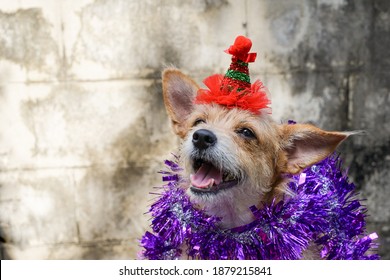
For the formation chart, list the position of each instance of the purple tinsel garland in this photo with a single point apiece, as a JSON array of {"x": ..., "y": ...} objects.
[{"x": 324, "y": 211}]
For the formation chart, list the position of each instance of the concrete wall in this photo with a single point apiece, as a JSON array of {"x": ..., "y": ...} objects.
[{"x": 83, "y": 129}]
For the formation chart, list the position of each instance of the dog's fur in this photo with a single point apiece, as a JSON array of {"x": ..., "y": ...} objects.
[{"x": 252, "y": 148}]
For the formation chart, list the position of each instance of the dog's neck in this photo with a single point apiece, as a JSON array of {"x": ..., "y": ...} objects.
[
  {"x": 233, "y": 216},
  {"x": 234, "y": 207}
]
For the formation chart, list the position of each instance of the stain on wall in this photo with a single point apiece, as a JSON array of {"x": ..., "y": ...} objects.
[{"x": 27, "y": 41}]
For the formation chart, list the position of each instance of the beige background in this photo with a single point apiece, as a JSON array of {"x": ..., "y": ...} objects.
[{"x": 83, "y": 130}]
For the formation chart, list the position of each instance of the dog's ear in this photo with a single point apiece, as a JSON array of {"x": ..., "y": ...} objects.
[
  {"x": 305, "y": 144},
  {"x": 179, "y": 92}
]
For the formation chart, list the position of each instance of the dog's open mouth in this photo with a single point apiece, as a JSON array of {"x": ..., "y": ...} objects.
[{"x": 209, "y": 179}]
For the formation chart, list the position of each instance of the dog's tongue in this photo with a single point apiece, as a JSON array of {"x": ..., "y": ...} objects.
[{"x": 206, "y": 176}]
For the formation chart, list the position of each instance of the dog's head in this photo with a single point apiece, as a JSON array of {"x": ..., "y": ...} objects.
[{"x": 234, "y": 158}]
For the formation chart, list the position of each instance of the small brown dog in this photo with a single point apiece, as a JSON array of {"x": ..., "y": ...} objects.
[
  {"x": 233, "y": 158},
  {"x": 236, "y": 197}
]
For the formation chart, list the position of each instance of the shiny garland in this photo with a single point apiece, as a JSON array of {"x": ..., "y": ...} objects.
[{"x": 324, "y": 210}]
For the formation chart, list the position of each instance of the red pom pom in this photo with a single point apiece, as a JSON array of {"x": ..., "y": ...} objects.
[
  {"x": 240, "y": 49},
  {"x": 241, "y": 45}
]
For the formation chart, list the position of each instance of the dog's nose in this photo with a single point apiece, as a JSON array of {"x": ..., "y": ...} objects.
[{"x": 203, "y": 139}]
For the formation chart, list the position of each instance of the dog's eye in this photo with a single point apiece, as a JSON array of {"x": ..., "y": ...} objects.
[
  {"x": 246, "y": 132},
  {"x": 198, "y": 121}
]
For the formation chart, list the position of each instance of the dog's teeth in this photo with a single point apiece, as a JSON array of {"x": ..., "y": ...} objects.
[{"x": 228, "y": 177}]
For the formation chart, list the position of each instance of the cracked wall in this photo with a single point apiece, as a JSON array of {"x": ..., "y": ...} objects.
[{"x": 83, "y": 129}]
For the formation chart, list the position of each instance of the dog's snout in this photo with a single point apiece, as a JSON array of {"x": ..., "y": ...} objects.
[{"x": 203, "y": 138}]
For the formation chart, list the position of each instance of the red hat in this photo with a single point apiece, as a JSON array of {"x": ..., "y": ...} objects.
[{"x": 235, "y": 89}]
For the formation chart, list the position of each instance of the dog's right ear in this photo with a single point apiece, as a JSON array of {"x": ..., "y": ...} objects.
[{"x": 179, "y": 92}]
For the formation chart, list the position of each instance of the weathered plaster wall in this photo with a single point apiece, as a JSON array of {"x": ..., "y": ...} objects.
[{"x": 83, "y": 129}]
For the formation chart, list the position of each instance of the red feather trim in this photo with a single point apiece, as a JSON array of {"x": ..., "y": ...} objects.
[{"x": 253, "y": 99}]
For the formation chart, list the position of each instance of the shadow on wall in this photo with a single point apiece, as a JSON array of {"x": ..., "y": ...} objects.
[{"x": 3, "y": 251}]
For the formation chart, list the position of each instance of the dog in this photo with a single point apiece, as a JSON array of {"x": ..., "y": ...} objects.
[
  {"x": 234, "y": 159},
  {"x": 232, "y": 194}
]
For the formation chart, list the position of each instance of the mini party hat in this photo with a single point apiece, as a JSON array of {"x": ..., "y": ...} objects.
[{"x": 234, "y": 89}]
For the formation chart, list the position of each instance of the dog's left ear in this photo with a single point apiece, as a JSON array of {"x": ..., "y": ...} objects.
[
  {"x": 179, "y": 92},
  {"x": 305, "y": 144}
]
